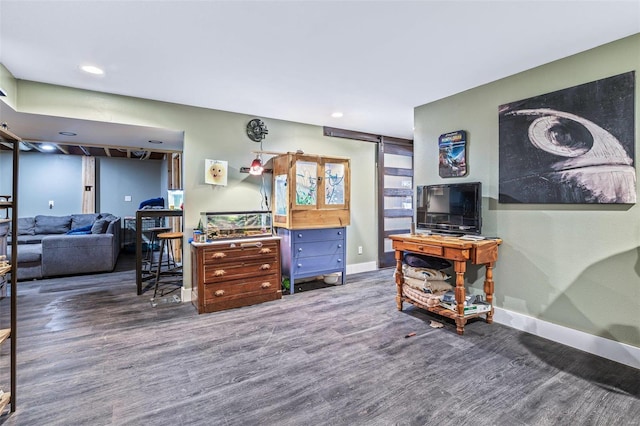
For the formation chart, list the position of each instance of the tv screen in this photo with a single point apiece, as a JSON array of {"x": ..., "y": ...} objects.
[{"x": 454, "y": 208}]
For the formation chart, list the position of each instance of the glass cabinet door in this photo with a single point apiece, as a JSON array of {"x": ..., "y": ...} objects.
[
  {"x": 306, "y": 183},
  {"x": 334, "y": 183}
]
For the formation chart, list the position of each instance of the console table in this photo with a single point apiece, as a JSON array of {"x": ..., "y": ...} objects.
[{"x": 457, "y": 250}]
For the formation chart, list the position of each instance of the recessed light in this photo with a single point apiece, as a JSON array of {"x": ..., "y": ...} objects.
[
  {"x": 67, "y": 133},
  {"x": 92, "y": 69},
  {"x": 155, "y": 141},
  {"x": 337, "y": 114}
]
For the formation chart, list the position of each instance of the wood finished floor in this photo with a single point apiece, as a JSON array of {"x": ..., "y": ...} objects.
[{"x": 92, "y": 352}]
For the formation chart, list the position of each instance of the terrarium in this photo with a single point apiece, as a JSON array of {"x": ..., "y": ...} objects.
[{"x": 229, "y": 225}]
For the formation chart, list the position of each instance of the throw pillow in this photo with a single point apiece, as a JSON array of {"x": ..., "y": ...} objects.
[
  {"x": 424, "y": 273},
  {"x": 99, "y": 226},
  {"x": 437, "y": 286},
  {"x": 80, "y": 230},
  {"x": 423, "y": 261}
]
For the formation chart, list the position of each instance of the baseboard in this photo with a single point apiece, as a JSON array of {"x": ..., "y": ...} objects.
[
  {"x": 185, "y": 294},
  {"x": 356, "y": 268},
  {"x": 606, "y": 348}
]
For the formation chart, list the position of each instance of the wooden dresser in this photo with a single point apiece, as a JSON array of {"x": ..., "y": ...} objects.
[{"x": 234, "y": 273}]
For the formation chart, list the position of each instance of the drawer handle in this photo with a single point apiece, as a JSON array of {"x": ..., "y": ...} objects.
[
  {"x": 265, "y": 285},
  {"x": 339, "y": 232},
  {"x": 339, "y": 260},
  {"x": 339, "y": 245},
  {"x": 219, "y": 255},
  {"x": 265, "y": 266},
  {"x": 300, "y": 249},
  {"x": 299, "y": 235},
  {"x": 265, "y": 250},
  {"x": 219, "y": 293},
  {"x": 299, "y": 265},
  {"x": 245, "y": 245},
  {"x": 219, "y": 272}
]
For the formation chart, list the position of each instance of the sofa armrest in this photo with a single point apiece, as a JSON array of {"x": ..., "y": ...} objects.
[{"x": 77, "y": 254}]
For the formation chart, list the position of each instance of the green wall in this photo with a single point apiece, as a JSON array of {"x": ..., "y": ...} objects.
[
  {"x": 219, "y": 135},
  {"x": 573, "y": 265}
]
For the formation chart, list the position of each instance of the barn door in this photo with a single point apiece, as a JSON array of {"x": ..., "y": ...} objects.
[{"x": 395, "y": 194}]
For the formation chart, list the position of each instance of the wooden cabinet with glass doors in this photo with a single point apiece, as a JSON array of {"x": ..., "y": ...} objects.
[{"x": 310, "y": 191}]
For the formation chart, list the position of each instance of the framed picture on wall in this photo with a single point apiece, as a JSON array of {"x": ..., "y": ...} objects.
[
  {"x": 575, "y": 145},
  {"x": 215, "y": 172},
  {"x": 452, "y": 149}
]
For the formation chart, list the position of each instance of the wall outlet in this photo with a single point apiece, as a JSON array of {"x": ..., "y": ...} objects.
[
  {"x": 50, "y": 204},
  {"x": 359, "y": 249},
  {"x": 127, "y": 197}
]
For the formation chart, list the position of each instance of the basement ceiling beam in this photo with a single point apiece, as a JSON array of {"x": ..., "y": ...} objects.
[{"x": 62, "y": 149}]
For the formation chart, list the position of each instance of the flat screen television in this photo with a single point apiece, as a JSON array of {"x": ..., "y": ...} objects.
[{"x": 454, "y": 208}]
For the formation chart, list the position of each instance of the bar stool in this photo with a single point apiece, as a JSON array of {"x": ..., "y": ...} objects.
[
  {"x": 166, "y": 243},
  {"x": 153, "y": 240}
]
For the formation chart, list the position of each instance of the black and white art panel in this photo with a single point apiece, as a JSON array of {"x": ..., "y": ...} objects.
[{"x": 575, "y": 145}]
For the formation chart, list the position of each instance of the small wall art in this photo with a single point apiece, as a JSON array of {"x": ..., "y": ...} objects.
[
  {"x": 215, "y": 172},
  {"x": 575, "y": 145},
  {"x": 453, "y": 154}
]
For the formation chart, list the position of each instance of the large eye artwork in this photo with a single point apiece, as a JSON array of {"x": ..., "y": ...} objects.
[{"x": 583, "y": 155}]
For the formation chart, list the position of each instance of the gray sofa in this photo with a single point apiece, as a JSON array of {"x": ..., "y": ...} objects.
[{"x": 51, "y": 246}]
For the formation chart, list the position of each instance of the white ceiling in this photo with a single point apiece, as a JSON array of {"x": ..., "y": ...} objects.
[{"x": 301, "y": 60}]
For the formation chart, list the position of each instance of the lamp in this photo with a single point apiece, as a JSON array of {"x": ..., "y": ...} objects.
[{"x": 256, "y": 166}]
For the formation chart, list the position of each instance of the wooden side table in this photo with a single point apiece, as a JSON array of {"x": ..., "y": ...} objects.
[{"x": 459, "y": 251}]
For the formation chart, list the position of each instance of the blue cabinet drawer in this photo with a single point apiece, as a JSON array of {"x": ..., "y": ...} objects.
[
  {"x": 319, "y": 248},
  {"x": 318, "y": 264},
  {"x": 304, "y": 235}
]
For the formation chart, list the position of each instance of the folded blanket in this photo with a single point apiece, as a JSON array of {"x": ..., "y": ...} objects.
[
  {"x": 424, "y": 273},
  {"x": 430, "y": 300}
]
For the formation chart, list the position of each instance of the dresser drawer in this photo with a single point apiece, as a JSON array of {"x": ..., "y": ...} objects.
[
  {"x": 238, "y": 293},
  {"x": 236, "y": 270},
  {"x": 318, "y": 248},
  {"x": 240, "y": 252},
  {"x": 241, "y": 288},
  {"x": 305, "y": 235},
  {"x": 307, "y": 265}
]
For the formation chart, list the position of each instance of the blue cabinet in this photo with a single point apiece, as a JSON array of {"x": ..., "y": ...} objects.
[{"x": 313, "y": 252}]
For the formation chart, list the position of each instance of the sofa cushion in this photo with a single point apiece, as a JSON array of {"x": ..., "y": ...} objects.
[
  {"x": 99, "y": 226},
  {"x": 52, "y": 224},
  {"x": 26, "y": 226},
  {"x": 30, "y": 239},
  {"x": 82, "y": 220},
  {"x": 30, "y": 253}
]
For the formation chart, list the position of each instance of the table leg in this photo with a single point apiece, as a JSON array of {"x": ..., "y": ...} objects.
[
  {"x": 399, "y": 279},
  {"x": 488, "y": 289},
  {"x": 138, "y": 253},
  {"x": 460, "y": 268}
]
